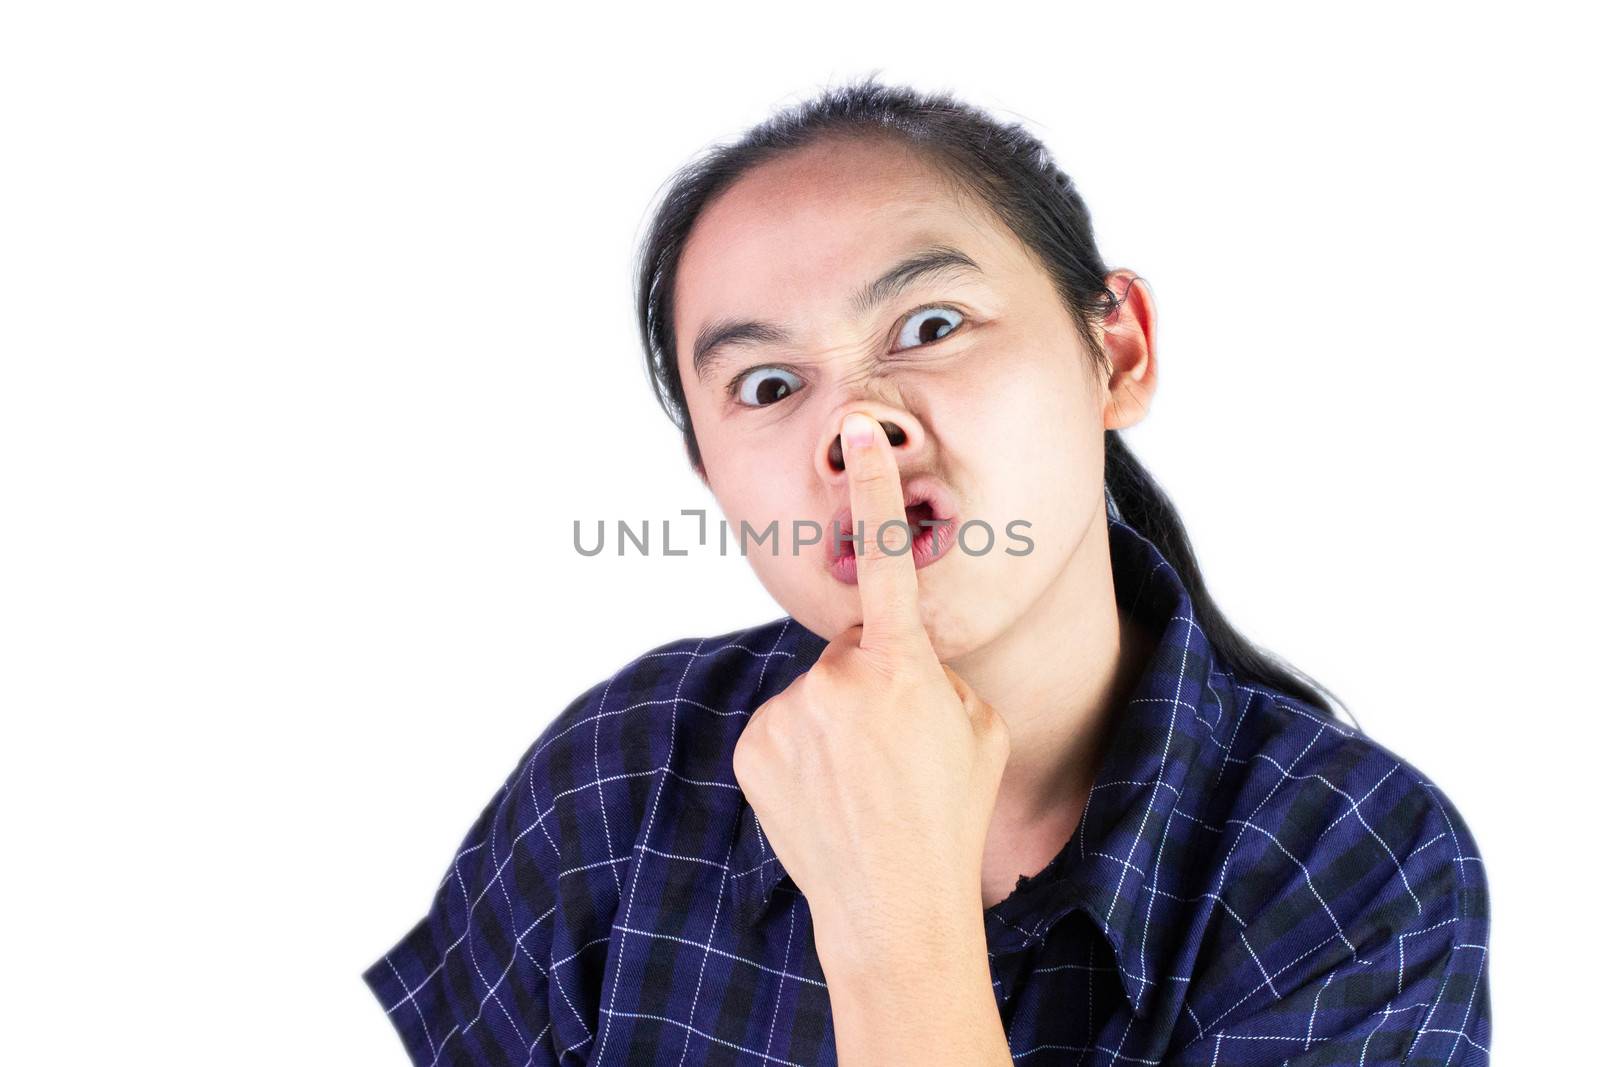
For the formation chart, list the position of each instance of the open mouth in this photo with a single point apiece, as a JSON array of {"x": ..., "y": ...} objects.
[{"x": 930, "y": 513}]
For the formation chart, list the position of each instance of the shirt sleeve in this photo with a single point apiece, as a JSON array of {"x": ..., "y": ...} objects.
[
  {"x": 1402, "y": 980},
  {"x": 471, "y": 982}
]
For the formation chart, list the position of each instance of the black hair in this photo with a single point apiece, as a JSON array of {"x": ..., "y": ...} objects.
[{"x": 1004, "y": 168}]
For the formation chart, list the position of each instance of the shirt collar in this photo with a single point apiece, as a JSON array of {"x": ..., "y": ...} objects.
[{"x": 1155, "y": 755}]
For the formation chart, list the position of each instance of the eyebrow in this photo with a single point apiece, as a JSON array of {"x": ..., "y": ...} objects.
[{"x": 919, "y": 266}]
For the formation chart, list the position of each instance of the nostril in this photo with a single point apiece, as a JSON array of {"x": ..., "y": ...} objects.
[{"x": 896, "y": 435}]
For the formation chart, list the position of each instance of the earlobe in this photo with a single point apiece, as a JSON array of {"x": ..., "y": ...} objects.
[{"x": 1129, "y": 340}]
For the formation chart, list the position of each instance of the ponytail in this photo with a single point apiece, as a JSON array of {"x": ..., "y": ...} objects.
[{"x": 1133, "y": 496}]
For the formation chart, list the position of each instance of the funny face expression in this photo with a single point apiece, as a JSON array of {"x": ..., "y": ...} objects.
[{"x": 850, "y": 276}]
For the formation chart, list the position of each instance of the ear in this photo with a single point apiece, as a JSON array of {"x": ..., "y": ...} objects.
[{"x": 1129, "y": 339}]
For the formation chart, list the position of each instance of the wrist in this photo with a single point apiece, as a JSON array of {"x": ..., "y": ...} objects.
[
  {"x": 917, "y": 991},
  {"x": 929, "y": 936}
]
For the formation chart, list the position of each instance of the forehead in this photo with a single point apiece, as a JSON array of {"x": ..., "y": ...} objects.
[{"x": 798, "y": 234}]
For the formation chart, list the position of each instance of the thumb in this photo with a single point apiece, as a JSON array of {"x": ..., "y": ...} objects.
[
  {"x": 959, "y": 684},
  {"x": 984, "y": 717},
  {"x": 976, "y": 706}
]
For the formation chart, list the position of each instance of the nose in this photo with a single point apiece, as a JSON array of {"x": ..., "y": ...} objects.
[{"x": 907, "y": 438}]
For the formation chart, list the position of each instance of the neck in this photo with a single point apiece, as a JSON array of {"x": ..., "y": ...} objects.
[{"x": 1059, "y": 677}]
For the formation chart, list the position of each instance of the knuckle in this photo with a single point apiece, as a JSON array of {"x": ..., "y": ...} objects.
[
  {"x": 956, "y": 681},
  {"x": 743, "y": 759},
  {"x": 835, "y": 656},
  {"x": 899, "y": 648},
  {"x": 823, "y": 674},
  {"x": 841, "y": 673},
  {"x": 995, "y": 728},
  {"x": 887, "y": 661}
]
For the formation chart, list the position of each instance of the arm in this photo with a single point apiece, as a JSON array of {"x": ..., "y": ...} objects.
[
  {"x": 476, "y": 980},
  {"x": 875, "y": 774},
  {"x": 1368, "y": 1011},
  {"x": 1407, "y": 983},
  {"x": 929, "y": 1002}
]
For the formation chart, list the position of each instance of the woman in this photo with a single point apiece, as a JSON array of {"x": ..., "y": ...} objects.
[{"x": 1015, "y": 796}]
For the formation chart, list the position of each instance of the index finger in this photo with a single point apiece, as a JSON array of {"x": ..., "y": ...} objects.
[{"x": 885, "y": 570}]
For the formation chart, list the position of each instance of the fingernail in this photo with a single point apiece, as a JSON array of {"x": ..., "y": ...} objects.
[{"x": 858, "y": 430}]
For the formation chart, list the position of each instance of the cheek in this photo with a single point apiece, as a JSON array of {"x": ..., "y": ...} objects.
[
  {"x": 757, "y": 484},
  {"x": 1035, "y": 443},
  {"x": 1032, "y": 410}
]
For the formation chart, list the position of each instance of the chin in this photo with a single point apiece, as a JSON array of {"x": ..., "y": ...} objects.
[{"x": 955, "y": 633}]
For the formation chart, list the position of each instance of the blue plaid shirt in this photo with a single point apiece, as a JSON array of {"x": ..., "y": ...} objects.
[{"x": 1251, "y": 882}]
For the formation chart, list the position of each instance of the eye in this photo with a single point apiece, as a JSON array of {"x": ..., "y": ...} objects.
[
  {"x": 929, "y": 324},
  {"x": 761, "y": 387}
]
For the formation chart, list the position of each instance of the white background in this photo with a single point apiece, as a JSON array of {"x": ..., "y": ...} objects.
[{"x": 318, "y": 335}]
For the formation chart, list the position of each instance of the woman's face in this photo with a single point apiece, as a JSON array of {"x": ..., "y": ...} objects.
[{"x": 980, "y": 368}]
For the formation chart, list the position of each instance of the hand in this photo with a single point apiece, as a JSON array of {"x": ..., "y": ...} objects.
[{"x": 875, "y": 773}]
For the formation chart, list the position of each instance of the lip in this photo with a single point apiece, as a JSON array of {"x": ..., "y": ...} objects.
[{"x": 931, "y": 544}]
